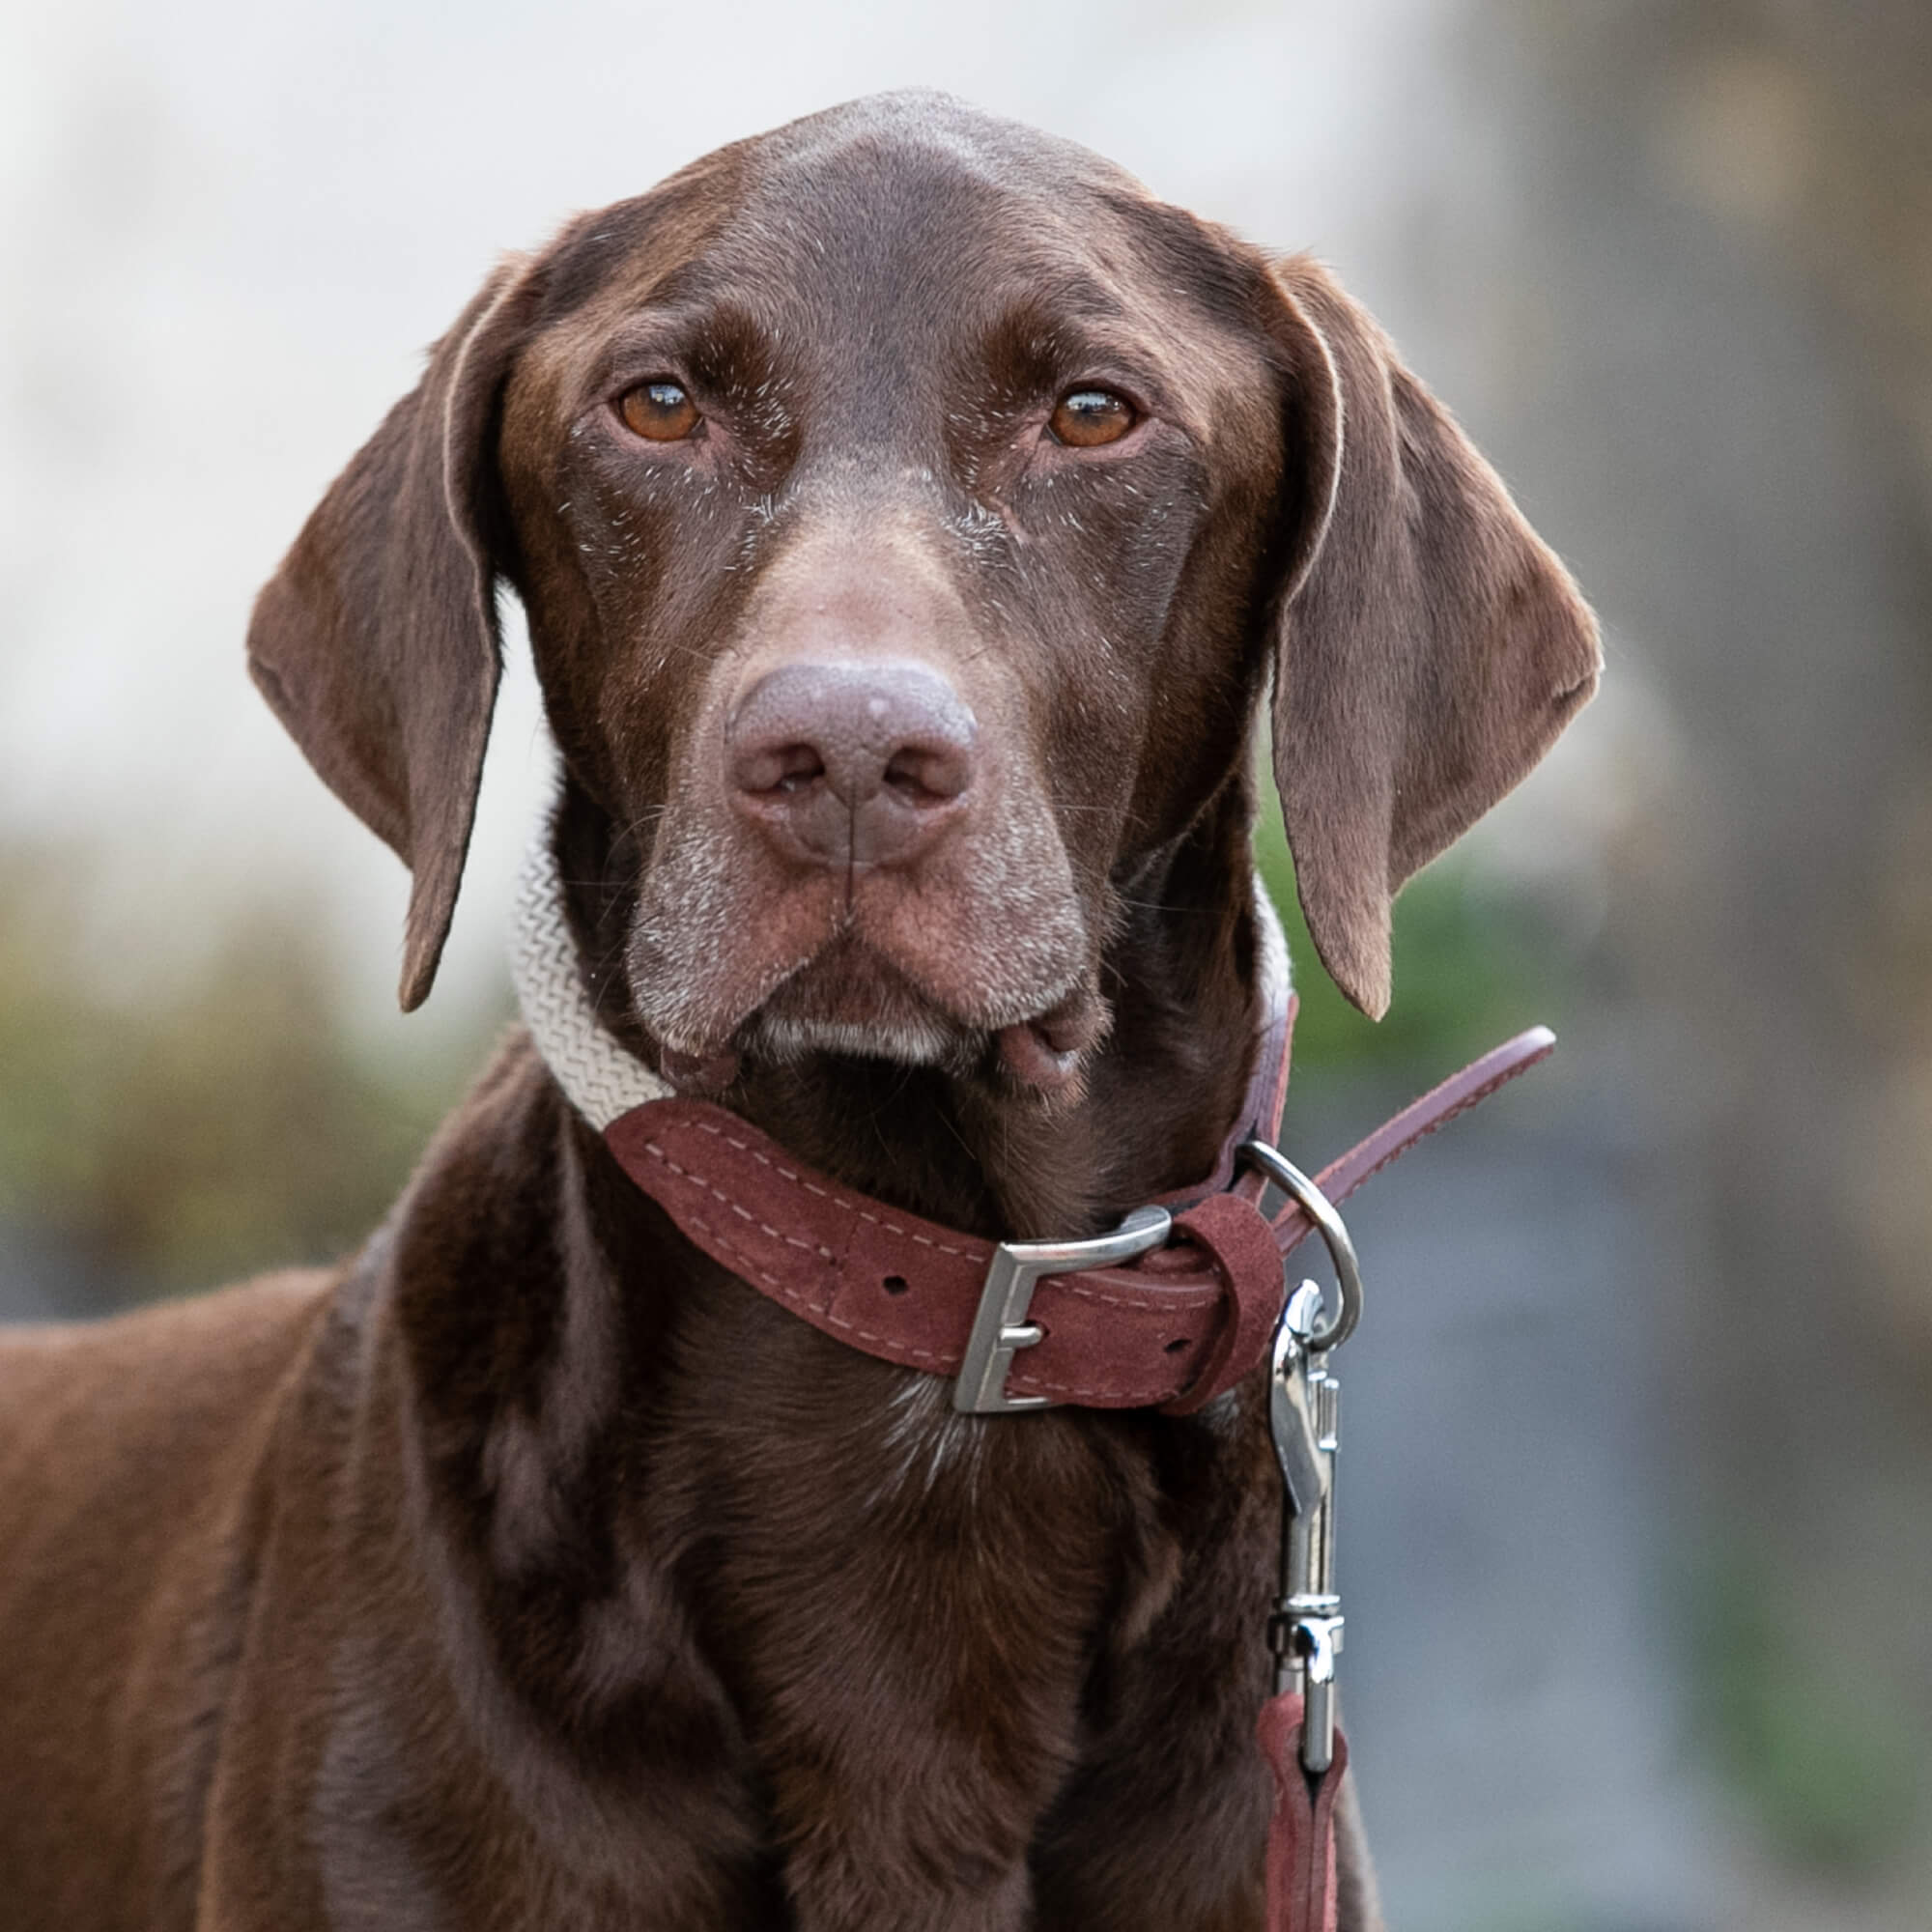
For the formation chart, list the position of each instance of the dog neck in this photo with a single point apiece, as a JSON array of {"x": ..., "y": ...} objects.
[{"x": 1196, "y": 980}]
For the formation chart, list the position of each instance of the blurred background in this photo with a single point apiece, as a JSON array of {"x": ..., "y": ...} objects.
[{"x": 1637, "y": 1506}]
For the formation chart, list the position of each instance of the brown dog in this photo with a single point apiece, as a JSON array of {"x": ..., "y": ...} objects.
[{"x": 910, "y": 515}]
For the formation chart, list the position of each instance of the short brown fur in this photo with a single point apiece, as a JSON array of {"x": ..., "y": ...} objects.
[{"x": 526, "y": 1570}]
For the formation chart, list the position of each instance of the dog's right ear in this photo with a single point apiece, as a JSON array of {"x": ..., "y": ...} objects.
[{"x": 377, "y": 641}]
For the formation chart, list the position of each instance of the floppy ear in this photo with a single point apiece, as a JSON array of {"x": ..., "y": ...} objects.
[
  {"x": 1429, "y": 646},
  {"x": 377, "y": 641}
]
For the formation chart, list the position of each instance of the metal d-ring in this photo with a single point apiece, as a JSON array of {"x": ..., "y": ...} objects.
[{"x": 1328, "y": 1224}]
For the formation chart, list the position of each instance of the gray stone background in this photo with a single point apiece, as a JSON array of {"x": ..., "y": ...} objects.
[{"x": 1638, "y": 1495}]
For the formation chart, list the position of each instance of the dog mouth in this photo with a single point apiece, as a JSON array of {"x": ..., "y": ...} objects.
[
  {"x": 978, "y": 961},
  {"x": 851, "y": 999}
]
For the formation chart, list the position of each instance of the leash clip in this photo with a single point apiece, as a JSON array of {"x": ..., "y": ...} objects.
[
  {"x": 1304, "y": 1632},
  {"x": 1001, "y": 1328}
]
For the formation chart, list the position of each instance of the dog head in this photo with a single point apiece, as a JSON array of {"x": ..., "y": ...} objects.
[{"x": 910, "y": 512}]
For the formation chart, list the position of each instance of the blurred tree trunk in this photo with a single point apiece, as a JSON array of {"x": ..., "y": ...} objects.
[{"x": 1713, "y": 366}]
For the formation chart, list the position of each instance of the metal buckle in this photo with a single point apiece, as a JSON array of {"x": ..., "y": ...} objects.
[{"x": 1001, "y": 1328}]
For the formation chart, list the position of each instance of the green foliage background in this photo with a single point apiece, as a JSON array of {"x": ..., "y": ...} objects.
[
  {"x": 187, "y": 1128},
  {"x": 1473, "y": 964}
]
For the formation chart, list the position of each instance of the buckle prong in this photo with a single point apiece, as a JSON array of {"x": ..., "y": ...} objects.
[{"x": 1001, "y": 1328}]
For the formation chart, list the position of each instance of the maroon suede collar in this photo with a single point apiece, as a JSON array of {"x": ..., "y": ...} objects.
[{"x": 1169, "y": 1330}]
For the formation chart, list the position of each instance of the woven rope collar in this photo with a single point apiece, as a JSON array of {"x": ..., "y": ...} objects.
[{"x": 602, "y": 1080}]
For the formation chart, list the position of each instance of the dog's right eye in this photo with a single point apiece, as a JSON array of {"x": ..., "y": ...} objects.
[
  {"x": 1087, "y": 418},
  {"x": 659, "y": 409}
]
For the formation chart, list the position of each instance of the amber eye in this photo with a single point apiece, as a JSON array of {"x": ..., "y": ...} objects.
[
  {"x": 1085, "y": 419},
  {"x": 662, "y": 411}
]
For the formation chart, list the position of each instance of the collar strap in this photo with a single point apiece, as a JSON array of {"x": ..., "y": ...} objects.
[{"x": 1169, "y": 1330}]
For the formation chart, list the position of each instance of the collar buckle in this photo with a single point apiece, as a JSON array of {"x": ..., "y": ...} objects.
[{"x": 1001, "y": 1328}]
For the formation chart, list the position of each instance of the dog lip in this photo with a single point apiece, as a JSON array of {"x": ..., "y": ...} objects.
[
  {"x": 1077, "y": 1024},
  {"x": 854, "y": 996},
  {"x": 699, "y": 1073},
  {"x": 1029, "y": 1055},
  {"x": 850, "y": 988},
  {"x": 1048, "y": 1051}
]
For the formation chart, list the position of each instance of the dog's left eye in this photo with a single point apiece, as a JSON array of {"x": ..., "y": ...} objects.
[
  {"x": 1085, "y": 419},
  {"x": 662, "y": 411}
]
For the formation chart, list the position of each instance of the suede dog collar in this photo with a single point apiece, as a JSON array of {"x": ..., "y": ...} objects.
[{"x": 1169, "y": 1313}]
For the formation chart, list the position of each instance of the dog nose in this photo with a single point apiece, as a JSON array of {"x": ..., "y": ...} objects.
[{"x": 855, "y": 763}]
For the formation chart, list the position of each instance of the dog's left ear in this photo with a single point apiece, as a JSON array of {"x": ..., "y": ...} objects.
[
  {"x": 1429, "y": 646},
  {"x": 377, "y": 641}
]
